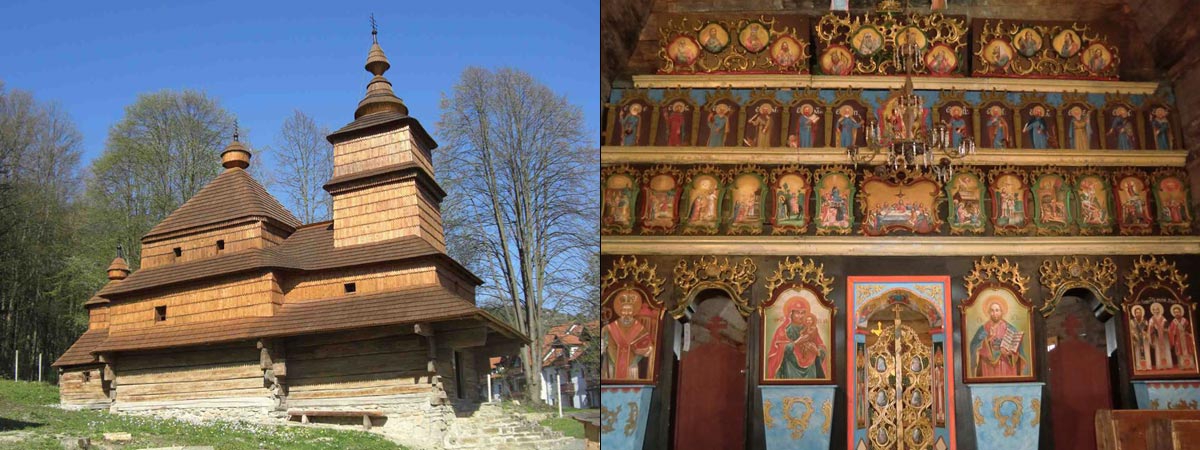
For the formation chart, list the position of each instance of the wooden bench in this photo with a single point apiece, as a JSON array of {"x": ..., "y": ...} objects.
[
  {"x": 366, "y": 415},
  {"x": 1144, "y": 429}
]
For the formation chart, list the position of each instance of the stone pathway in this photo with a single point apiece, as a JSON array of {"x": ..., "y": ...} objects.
[{"x": 492, "y": 427}]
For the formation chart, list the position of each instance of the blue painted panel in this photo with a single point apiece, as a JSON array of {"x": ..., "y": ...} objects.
[
  {"x": 797, "y": 417},
  {"x": 1006, "y": 416},
  {"x": 1167, "y": 394},
  {"x": 623, "y": 414}
]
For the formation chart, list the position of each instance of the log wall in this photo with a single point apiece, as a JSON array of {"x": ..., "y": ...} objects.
[
  {"x": 98, "y": 317},
  {"x": 203, "y": 244},
  {"x": 375, "y": 366},
  {"x": 223, "y": 298},
  {"x": 386, "y": 211},
  {"x": 367, "y": 280},
  {"x": 379, "y": 150},
  {"x": 82, "y": 387},
  {"x": 209, "y": 376}
]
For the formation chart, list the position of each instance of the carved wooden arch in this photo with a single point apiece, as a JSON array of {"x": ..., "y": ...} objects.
[
  {"x": 916, "y": 302},
  {"x": 1073, "y": 272},
  {"x": 709, "y": 272}
]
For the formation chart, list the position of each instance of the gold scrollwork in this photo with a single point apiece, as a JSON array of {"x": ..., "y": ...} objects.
[
  {"x": 840, "y": 29},
  {"x": 993, "y": 270},
  {"x": 798, "y": 425},
  {"x": 1041, "y": 58},
  {"x": 608, "y": 418},
  {"x": 711, "y": 272},
  {"x": 631, "y": 271},
  {"x": 733, "y": 56},
  {"x": 631, "y": 421},
  {"x": 978, "y": 411},
  {"x": 1010, "y": 422},
  {"x": 1152, "y": 272},
  {"x": 768, "y": 421},
  {"x": 1070, "y": 272},
  {"x": 801, "y": 271},
  {"x": 1036, "y": 406},
  {"x": 827, "y": 411}
]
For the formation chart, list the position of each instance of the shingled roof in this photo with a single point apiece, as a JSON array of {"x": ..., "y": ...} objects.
[
  {"x": 80, "y": 352},
  {"x": 233, "y": 194}
]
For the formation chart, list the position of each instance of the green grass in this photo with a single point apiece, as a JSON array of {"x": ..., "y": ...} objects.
[
  {"x": 566, "y": 425},
  {"x": 29, "y": 420}
]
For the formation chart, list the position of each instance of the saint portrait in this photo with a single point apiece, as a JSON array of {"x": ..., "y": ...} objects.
[
  {"x": 1159, "y": 130},
  {"x": 1066, "y": 43},
  {"x": 941, "y": 60},
  {"x": 659, "y": 207},
  {"x": 703, "y": 201},
  {"x": 718, "y": 124},
  {"x": 1079, "y": 127},
  {"x": 847, "y": 127},
  {"x": 785, "y": 52},
  {"x": 676, "y": 123},
  {"x": 834, "y": 202},
  {"x": 1039, "y": 127},
  {"x": 998, "y": 53},
  {"x": 746, "y": 203},
  {"x": 754, "y": 37},
  {"x": 866, "y": 41},
  {"x": 1162, "y": 339},
  {"x": 997, "y": 126},
  {"x": 797, "y": 338},
  {"x": 1009, "y": 202},
  {"x": 807, "y": 128},
  {"x": 1171, "y": 197},
  {"x": 1093, "y": 194},
  {"x": 998, "y": 328},
  {"x": 714, "y": 37},
  {"x": 965, "y": 190},
  {"x": 629, "y": 337},
  {"x": 1028, "y": 42},
  {"x": 683, "y": 52},
  {"x": 914, "y": 35},
  {"x": 1133, "y": 204},
  {"x": 762, "y": 128},
  {"x": 1120, "y": 134},
  {"x": 1097, "y": 58},
  {"x": 633, "y": 123},
  {"x": 900, "y": 121},
  {"x": 791, "y": 194},
  {"x": 836, "y": 60},
  {"x": 620, "y": 194},
  {"x": 957, "y": 116}
]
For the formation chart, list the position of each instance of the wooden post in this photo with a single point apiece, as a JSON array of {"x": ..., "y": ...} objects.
[
  {"x": 489, "y": 384},
  {"x": 366, "y": 422},
  {"x": 16, "y": 364},
  {"x": 426, "y": 329},
  {"x": 39, "y": 367},
  {"x": 558, "y": 390}
]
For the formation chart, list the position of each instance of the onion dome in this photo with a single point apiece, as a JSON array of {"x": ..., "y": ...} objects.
[
  {"x": 380, "y": 97},
  {"x": 235, "y": 154}
]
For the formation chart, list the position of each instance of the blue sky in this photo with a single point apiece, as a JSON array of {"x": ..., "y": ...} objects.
[{"x": 262, "y": 60}]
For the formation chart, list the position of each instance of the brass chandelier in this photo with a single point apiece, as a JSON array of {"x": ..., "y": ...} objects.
[{"x": 909, "y": 146}]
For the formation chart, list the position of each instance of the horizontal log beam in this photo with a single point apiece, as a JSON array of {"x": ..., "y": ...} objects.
[
  {"x": 898, "y": 245},
  {"x": 834, "y": 155},
  {"x": 893, "y": 82}
]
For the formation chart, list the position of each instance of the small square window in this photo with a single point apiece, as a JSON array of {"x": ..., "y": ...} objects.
[
  {"x": 221, "y": 244},
  {"x": 160, "y": 313},
  {"x": 178, "y": 251},
  {"x": 87, "y": 376},
  {"x": 350, "y": 288}
]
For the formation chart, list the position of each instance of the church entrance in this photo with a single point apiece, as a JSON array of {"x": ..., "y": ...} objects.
[
  {"x": 900, "y": 380},
  {"x": 710, "y": 402}
]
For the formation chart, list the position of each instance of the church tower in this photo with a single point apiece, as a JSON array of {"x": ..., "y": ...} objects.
[{"x": 383, "y": 186}]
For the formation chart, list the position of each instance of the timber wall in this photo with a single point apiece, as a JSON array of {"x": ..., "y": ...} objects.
[
  {"x": 209, "y": 376},
  {"x": 98, "y": 317},
  {"x": 379, "y": 150},
  {"x": 204, "y": 244},
  {"x": 224, "y": 298},
  {"x": 81, "y": 387},
  {"x": 386, "y": 211},
  {"x": 376, "y": 366},
  {"x": 367, "y": 280}
]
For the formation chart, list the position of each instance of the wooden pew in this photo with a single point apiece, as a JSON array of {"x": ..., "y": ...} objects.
[
  {"x": 366, "y": 415},
  {"x": 1147, "y": 429}
]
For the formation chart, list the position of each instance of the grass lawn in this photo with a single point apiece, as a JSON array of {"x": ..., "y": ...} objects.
[
  {"x": 29, "y": 420},
  {"x": 566, "y": 425}
]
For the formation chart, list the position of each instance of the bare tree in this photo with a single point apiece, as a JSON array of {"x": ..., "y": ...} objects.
[
  {"x": 515, "y": 166},
  {"x": 304, "y": 164}
]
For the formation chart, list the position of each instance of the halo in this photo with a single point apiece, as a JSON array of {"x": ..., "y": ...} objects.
[
  {"x": 1156, "y": 305},
  {"x": 1176, "y": 307},
  {"x": 995, "y": 299},
  {"x": 1137, "y": 308}
]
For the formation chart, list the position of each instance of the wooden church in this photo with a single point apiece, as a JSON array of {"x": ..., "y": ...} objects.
[
  {"x": 894, "y": 228},
  {"x": 239, "y": 307}
]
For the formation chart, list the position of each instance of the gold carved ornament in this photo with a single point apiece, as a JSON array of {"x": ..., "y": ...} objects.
[
  {"x": 839, "y": 29},
  {"x": 801, "y": 271},
  {"x": 768, "y": 421},
  {"x": 608, "y": 418},
  {"x": 1046, "y": 60},
  {"x": 827, "y": 410},
  {"x": 631, "y": 421},
  {"x": 993, "y": 270},
  {"x": 899, "y": 388},
  {"x": 1036, "y": 406},
  {"x": 1070, "y": 272},
  {"x": 798, "y": 425},
  {"x": 711, "y": 272},
  {"x": 1152, "y": 272},
  {"x": 732, "y": 56},
  {"x": 628, "y": 271},
  {"x": 977, "y": 411},
  {"x": 1011, "y": 422}
]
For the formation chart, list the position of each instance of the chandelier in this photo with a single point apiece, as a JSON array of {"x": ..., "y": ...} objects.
[{"x": 909, "y": 145}]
